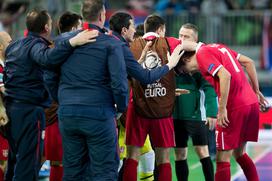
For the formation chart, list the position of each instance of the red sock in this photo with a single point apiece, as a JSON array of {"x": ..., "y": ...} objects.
[
  {"x": 222, "y": 171},
  {"x": 1, "y": 175},
  {"x": 165, "y": 172},
  {"x": 56, "y": 173},
  {"x": 248, "y": 167},
  {"x": 130, "y": 170}
]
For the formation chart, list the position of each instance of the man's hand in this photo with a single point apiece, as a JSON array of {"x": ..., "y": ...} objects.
[
  {"x": 84, "y": 37},
  {"x": 175, "y": 57},
  {"x": 179, "y": 92},
  {"x": 189, "y": 45},
  {"x": 222, "y": 117},
  {"x": 144, "y": 52},
  {"x": 3, "y": 116},
  {"x": 262, "y": 102},
  {"x": 211, "y": 122}
]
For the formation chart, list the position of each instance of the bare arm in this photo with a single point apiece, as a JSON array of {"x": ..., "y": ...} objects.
[
  {"x": 190, "y": 45},
  {"x": 144, "y": 52},
  {"x": 224, "y": 81},
  {"x": 249, "y": 65},
  {"x": 3, "y": 115}
]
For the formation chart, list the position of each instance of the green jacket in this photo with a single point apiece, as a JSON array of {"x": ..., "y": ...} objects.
[{"x": 200, "y": 103}]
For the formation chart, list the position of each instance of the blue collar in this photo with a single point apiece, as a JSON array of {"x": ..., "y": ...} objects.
[
  {"x": 92, "y": 26},
  {"x": 37, "y": 35},
  {"x": 121, "y": 38}
]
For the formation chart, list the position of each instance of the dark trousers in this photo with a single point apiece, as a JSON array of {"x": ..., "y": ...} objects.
[
  {"x": 89, "y": 143},
  {"x": 25, "y": 134}
]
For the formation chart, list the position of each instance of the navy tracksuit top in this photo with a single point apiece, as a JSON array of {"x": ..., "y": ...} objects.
[
  {"x": 23, "y": 73},
  {"x": 95, "y": 75}
]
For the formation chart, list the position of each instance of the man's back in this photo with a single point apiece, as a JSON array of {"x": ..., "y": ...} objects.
[
  {"x": 241, "y": 92},
  {"x": 23, "y": 76},
  {"x": 94, "y": 75}
]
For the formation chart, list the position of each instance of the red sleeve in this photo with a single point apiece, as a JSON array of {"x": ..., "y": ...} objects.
[
  {"x": 235, "y": 54},
  {"x": 208, "y": 61},
  {"x": 173, "y": 43}
]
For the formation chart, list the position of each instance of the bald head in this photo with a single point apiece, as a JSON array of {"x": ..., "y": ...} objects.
[{"x": 5, "y": 39}]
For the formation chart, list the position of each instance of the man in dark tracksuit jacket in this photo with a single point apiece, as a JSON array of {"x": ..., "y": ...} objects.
[
  {"x": 26, "y": 95},
  {"x": 135, "y": 70},
  {"x": 93, "y": 80}
]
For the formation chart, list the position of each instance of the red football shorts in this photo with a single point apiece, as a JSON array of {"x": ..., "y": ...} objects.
[
  {"x": 53, "y": 143},
  {"x": 161, "y": 131},
  {"x": 243, "y": 127},
  {"x": 3, "y": 148}
]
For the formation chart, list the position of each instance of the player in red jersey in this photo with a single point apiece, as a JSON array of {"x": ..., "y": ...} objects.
[
  {"x": 153, "y": 103},
  {"x": 238, "y": 111},
  {"x": 5, "y": 39}
]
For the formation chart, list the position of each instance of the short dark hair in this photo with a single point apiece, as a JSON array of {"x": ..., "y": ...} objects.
[
  {"x": 119, "y": 20},
  {"x": 91, "y": 9},
  {"x": 186, "y": 55},
  {"x": 191, "y": 27},
  {"x": 68, "y": 20},
  {"x": 153, "y": 23},
  {"x": 36, "y": 20},
  {"x": 180, "y": 66},
  {"x": 139, "y": 31}
]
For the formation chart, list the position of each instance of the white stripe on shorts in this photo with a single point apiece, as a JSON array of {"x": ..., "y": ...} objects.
[{"x": 222, "y": 137}]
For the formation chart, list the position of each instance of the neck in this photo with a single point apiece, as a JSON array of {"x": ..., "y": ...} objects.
[
  {"x": 44, "y": 35},
  {"x": 97, "y": 23}
]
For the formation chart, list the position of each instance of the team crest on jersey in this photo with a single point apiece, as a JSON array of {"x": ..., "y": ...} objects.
[
  {"x": 152, "y": 61},
  {"x": 210, "y": 67}
]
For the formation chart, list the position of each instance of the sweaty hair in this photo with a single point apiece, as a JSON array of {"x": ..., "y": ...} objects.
[
  {"x": 36, "y": 20},
  {"x": 153, "y": 23},
  {"x": 68, "y": 20},
  {"x": 139, "y": 31},
  {"x": 186, "y": 55},
  {"x": 191, "y": 27},
  {"x": 119, "y": 20},
  {"x": 91, "y": 8}
]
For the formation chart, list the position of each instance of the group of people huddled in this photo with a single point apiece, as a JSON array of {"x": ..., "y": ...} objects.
[{"x": 110, "y": 104}]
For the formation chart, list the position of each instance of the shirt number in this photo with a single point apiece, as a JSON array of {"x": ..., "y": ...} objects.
[{"x": 226, "y": 52}]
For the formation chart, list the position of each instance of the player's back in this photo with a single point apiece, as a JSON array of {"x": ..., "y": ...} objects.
[{"x": 240, "y": 93}]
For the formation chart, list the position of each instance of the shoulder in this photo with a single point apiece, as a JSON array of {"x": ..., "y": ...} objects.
[
  {"x": 65, "y": 36},
  {"x": 173, "y": 42},
  {"x": 205, "y": 50}
]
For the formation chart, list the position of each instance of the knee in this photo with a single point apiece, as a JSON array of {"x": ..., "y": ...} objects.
[
  {"x": 223, "y": 156},
  {"x": 202, "y": 151},
  {"x": 133, "y": 152},
  {"x": 162, "y": 155},
  {"x": 181, "y": 153}
]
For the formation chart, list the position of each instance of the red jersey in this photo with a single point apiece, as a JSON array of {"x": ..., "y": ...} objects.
[{"x": 211, "y": 58}]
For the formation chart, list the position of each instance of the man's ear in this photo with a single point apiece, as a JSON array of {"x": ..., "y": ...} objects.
[
  {"x": 46, "y": 27},
  {"x": 123, "y": 31},
  {"x": 73, "y": 28}
]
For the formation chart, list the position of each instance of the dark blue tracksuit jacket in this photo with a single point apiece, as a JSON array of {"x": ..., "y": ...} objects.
[
  {"x": 92, "y": 81},
  {"x": 23, "y": 75},
  {"x": 135, "y": 70},
  {"x": 25, "y": 99},
  {"x": 90, "y": 78}
]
